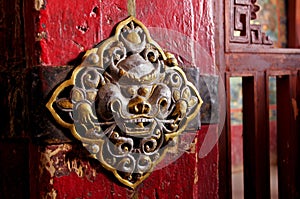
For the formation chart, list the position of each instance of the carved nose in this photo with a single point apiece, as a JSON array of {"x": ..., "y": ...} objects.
[{"x": 138, "y": 105}]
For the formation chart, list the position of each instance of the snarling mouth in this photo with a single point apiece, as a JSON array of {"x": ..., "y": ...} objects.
[{"x": 139, "y": 126}]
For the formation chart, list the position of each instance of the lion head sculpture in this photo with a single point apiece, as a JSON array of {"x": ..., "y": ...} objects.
[{"x": 128, "y": 101}]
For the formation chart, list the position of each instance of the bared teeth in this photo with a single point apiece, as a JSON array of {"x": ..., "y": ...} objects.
[
  {"x": 140, "y": 124},
  {"x": 138, "y": 120}
]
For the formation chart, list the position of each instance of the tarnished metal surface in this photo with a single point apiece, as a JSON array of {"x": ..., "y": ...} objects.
[
  {"x": 209, "y": 93},
  {"x": 45, "y": 79},
  {"x": 207, "y": 85},
  {"x": 127, "y": 102},
  {"x": 43, "y": 128}
]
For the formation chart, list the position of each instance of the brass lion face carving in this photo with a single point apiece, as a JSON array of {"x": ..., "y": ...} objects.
[{"x": 126, "y": 102}]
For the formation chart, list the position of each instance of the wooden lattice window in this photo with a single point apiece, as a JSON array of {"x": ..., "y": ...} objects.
[{"x": 252, "y": 56}]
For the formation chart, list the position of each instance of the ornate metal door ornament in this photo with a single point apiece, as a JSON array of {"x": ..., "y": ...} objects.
[{"x": 126, "y": 102}]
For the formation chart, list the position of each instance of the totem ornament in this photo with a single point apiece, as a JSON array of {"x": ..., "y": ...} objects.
[{"x": 127, "y": 102}]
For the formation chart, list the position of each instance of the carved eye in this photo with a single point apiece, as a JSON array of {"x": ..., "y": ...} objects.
[
  {"x": 163, "y": 103},
  {"x": 129, "y": 92},
  {"x": 151, "y": 57}
]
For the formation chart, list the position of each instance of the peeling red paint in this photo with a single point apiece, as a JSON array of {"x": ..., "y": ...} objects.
[
  {"x": 67, "y": 173},
  {"x": 69, "y": 30},
  {"x": 72, "y": 28}
]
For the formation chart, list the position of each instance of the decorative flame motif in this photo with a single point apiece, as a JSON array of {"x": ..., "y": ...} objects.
[{"x": 126, "y": 102}]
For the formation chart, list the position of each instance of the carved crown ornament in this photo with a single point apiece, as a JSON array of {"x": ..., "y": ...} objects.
[{"x": 127, "y": 102}]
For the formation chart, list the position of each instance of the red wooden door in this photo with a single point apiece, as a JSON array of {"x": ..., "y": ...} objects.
[{"x": 41, "y": 41}]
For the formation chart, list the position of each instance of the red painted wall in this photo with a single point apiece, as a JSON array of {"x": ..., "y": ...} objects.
[{"x": 64, "y": 30}]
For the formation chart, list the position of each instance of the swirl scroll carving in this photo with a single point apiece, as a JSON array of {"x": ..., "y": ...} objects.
[{"x": 127, "y": 102}]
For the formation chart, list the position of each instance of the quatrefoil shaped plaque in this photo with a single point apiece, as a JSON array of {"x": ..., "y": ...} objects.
[{"x": 126, "y": 102}]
